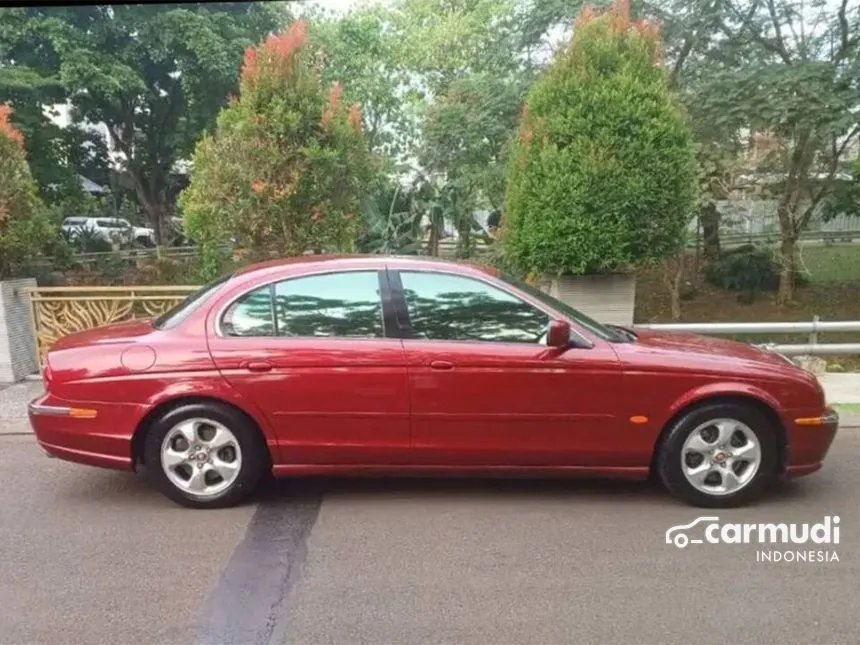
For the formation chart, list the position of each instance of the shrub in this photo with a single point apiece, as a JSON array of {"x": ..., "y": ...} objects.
[
  {"x": 288, "y": 164},
  {"x": 749, "y": 269},
  {"x": 602, "y": 175},
  {"x": 24, "y": 225}
]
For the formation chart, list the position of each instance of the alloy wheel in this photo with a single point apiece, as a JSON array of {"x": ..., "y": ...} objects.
[
  {"x": 721, "y": 457},
  {"x": 201, "y": 457}
]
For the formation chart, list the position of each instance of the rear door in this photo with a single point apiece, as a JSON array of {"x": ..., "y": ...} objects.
[{"x": 313, "y": 353}]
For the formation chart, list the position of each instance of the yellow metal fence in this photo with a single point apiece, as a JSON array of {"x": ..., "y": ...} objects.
[{"x": 58, "y": 311}]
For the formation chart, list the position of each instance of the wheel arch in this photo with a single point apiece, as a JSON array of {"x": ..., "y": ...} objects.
[
  {"x": 763, "y": 406},
  {"x": 139, "y": 437}
]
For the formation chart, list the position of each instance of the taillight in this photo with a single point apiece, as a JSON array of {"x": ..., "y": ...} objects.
[{"x": 46, "y": 374}]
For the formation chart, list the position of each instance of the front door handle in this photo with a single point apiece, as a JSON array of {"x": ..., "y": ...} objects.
[
  {"x": 441, "y": 365},
  {"x": 258, "y": 366}
]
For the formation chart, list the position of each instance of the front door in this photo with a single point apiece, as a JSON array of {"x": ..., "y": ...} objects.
[
  {"x": 486, "y": 390},
  {"x": 312, "y": 353}
]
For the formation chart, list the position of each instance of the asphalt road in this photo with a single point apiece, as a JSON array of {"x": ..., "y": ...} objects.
[{"x": 92, "y": 556}]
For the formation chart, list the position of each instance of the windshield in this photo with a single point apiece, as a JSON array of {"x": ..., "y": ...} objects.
[
  {"x": 180, "y": 312},
  {"x": 606, "y": 332}
]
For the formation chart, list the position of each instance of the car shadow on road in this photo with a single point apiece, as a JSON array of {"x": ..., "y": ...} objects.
[
  {"x": 545, "y": 488},
  {"x": 459, "y": 487},
  {"x": 121, "y": 488}
]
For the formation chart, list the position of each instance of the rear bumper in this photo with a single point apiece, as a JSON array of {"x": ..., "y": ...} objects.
[
  {"x": 92, "y": 433},
  {"x": 809, "y": 437}
]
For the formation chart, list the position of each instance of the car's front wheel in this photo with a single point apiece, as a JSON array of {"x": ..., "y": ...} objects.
[
  {"x": 205, "y": 455},
  {"x": 719, "y": 456}
]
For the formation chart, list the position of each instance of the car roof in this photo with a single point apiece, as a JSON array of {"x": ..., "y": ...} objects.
[{"x": 311, "y": 263}]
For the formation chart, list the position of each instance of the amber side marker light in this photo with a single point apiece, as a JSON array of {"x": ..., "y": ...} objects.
[
  {"x": 826, "y": 419},
  {"x": 56, "y": 411},
  {"x": 638, "y": 419},
  {"x": 82, "y": 413}
]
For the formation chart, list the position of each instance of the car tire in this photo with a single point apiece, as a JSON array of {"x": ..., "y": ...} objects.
[
  {"x": 712, "y": 483},
  {"x": 233, "y": 449}
]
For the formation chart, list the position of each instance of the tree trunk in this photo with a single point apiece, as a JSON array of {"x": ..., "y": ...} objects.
[
  {"x": 787, "y": 250},
  {"x": 710, "y": 219},
  {"x": 434, "y": 235},
  {"x": 155, "y": 212},
  {"x": 786, "y": 272},
  {"x": 152, "y": 199},
  {"x": 464, "y": 241},
  {"x": 673, "y": 276}
]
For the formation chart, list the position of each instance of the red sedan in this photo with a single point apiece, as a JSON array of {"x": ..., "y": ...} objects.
[{"x": 376, "y": 365}]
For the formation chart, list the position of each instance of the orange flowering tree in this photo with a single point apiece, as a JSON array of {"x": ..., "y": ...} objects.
[
  {"x": 24, "y": 227},
  {"x": 288, "y": 164},
  {"x": 602, "y": 175}
]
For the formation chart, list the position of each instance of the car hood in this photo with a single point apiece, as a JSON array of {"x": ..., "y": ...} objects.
[
  {"x": 122, "y": 332},
  {"x": 708, "y": 347}
]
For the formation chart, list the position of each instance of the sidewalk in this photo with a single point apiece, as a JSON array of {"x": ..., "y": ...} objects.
[
  {"x": 842, "y": 389},
  {"x": 843, "y": 392},
  {"x": 13, "y": 405}
]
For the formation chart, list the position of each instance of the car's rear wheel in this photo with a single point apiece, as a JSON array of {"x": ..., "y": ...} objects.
[
  {"x": 719, "y": 456},
  {"x": 205, "y": 455}
]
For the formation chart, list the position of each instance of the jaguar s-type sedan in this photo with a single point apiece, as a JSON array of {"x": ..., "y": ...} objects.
[{"x": 379, "y": 365}]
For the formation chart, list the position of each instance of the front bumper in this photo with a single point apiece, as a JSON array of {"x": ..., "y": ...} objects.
[
  {"x": 92, "y": 433},
  {"x": 809, "y": 437}
]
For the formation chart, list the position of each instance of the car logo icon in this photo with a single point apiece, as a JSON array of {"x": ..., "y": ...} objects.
[{"x": 676, "y": 535}]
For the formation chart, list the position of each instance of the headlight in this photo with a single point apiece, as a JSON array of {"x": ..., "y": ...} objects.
[{"x": 768, "y": 347}]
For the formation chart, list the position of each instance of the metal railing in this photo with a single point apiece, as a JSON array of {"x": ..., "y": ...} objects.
[
  {"x": 447, "y": 248},
  {"x": 59, "y": 311},
  {"x": 813, "y": 328}
]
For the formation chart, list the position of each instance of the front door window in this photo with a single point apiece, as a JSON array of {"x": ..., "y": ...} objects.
[{"x": 456, "y": 308}]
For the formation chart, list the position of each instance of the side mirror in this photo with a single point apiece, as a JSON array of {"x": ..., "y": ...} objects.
[{"x": 558, "y": 334}]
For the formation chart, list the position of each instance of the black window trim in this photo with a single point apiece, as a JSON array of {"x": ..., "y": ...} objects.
[
  {"x": 384, "y": 293},
  {"x": 578, "y": 339},
  {"x": 401, "y": 325}
]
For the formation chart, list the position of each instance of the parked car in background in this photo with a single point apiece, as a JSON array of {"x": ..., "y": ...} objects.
[
  {"x": 373, "y": 364},
  {"x": 115, "y": 230}
]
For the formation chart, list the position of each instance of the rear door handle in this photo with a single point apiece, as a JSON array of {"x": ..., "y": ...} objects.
[
  {"x": 441, "y": 365},
  {"x": 258, "y": 366}
]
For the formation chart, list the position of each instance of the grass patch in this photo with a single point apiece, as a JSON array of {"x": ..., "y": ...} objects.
[
  {"x": 847, "y": 408},
  {"x": 830, "y": 263},
  {"x": 833, "y": 294}
]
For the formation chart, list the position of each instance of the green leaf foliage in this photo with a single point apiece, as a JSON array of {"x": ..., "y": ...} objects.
[
  {"x": 24, "y": 227},
  {"x": 155, "y": 75},
  {"x": 602, "y": 175},
  {"x": 362, "y": 52},
  {"x": 288, "y": 165}
]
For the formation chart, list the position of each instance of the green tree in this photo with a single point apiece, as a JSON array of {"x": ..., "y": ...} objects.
[
  {"x": 24, "y": 229},
  {"x": 156, "y": 75},
  {"x": 361, "y": 51},
  {"x": 471, "y": 61},
  {"x": 288, "y": 165},
  {"x": 466, "y": 134},
  {"x": 777, "y": 68},
  {"x": 57, "y": 155},
  {"x": 441, "y": 83},
  {"x": 392, "y": 223},
  {"x": 602, "y": 176}
]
